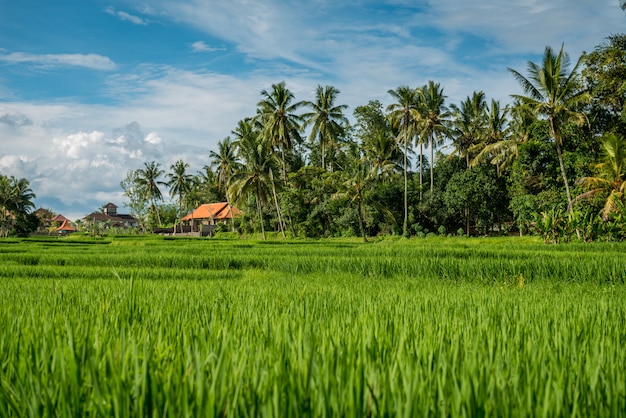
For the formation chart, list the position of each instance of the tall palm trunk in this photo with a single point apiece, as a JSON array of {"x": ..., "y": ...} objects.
[
  {"x": 280, "y": 219},
  {"x": 559, "y": 153},
  {"x": 293, "y": 231},
  {"x": 258, "y": 205},
  {"x": 156, "y": 210},
  {"x": 421, "y": 170},
  {"x": 360, "y": 217},
  {"x": 432, "y": 160},
  {"x": 406, "y": 188}
]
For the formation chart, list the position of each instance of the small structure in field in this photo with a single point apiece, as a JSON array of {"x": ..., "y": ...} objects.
[{"x": 206, "y": 217}]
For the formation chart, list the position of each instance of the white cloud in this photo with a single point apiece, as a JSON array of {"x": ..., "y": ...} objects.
[
  {"x": 91, "y": 61},
  {"x": 201, "y": 46},
  {"x": 73, "y": 152},
  {"x": 126, "y": 16}
]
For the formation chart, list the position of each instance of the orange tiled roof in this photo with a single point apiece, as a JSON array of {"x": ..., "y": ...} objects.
[
  {"x": 216, "y": 211},
  {"x": 59, "y": 218},
  {"x": 66, "y": 226}
]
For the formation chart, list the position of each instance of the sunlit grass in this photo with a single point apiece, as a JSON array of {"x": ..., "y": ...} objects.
[{"x": 153, "y": 327}]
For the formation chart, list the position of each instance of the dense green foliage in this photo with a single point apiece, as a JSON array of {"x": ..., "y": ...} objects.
[
  {"x": 150, "y": 327},
  {"x": 16, "y": 202}
]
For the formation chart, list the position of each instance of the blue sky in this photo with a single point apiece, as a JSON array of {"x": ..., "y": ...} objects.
[{"x": 92, "y": 88}]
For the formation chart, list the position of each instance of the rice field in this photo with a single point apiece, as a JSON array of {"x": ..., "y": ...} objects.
[{"x": 136, "y": 326}]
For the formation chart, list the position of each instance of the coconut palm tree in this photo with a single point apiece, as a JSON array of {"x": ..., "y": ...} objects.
[
  {"x": 280, "y": 124},
  {"x": 405, "y": 113},
  {"x": 610, "y": 181},
  {"x": 504, "y": 135},
  {"x": 281, "y": 127},
  {"x": 179, "y": 183},
  {"x": 224, "y": 161},
  {"x": 434, "y": 120},
  {"x": 16, "y": 200},
  {"x": 248, "y": 139},
  {"x": 553, "y": 92},
  {"x": 327, "y": 120},
  {"x": 356, "y": 182},
  {"x": 253, "y": 177},
  {"x": 148, "y": 180},
  {"x": 469, "y": 125},
  {"x": 382, "y": 152}
]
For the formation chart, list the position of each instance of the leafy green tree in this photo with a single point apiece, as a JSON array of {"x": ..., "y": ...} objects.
[
  {"x": 604, "y": 73},
  {"x": 16, "y": 202},
  {"x": 326, "y": 119},
  {"x": 137, "y": 201},
  {"x": 479, "y": 196},
  {"x": 148, "y": 181},
  {"x": 554, "y": 92}
]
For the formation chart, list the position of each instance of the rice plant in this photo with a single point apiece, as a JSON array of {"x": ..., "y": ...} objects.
[{"x": 153, "y": 327}]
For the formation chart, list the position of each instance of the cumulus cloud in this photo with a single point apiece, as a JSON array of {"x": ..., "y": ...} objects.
[
  {"x": 79, "y": 172},
  {"x": 91, "y": 61}
]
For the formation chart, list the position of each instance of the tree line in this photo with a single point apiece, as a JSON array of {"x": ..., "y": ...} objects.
[{"x": 550, "y": 162}]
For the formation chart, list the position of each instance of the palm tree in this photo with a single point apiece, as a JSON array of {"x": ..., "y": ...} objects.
[
  {"x": 405, "y": 113},
  {"x": 611, "y": 178},
  {"x": 16, "y": 200},
  {"x": 497, "y": 131},
  {"x": 327, "y": 120},
  {"x": 354, "y": 188},
  {"x": 280, "y": 124},
  {"x": 434, "y": 120},
  {"x": 148, "y": 180},
  {"x": 469, "y": 125},
  {"x": 280, "y": 128},
  {"x": 512, "y": 132},
  {"x": 382, "y": 152},
  {"x": 556, "y": 94},
  {"x": 179, "y": 183},
  {"x": 253, "y": 177},
  {"x": 249, "y": 140},
  {"x": 224, "y": 161}
]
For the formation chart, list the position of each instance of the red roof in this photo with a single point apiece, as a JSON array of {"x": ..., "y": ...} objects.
[
  {"x": 217, "y": 211},
  {"x": 59, "y": 218},
  {"x": 66, "y": 226}
]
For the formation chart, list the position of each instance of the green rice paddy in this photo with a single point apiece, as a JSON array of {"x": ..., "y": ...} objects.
[{"x": 136, "y": 326}]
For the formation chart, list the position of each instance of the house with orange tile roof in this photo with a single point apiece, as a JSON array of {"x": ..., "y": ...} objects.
[
  {"x": 66, "y": 228},
  {"x": 48, "y": 220},
  {"x": 210, "y": 214}
]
